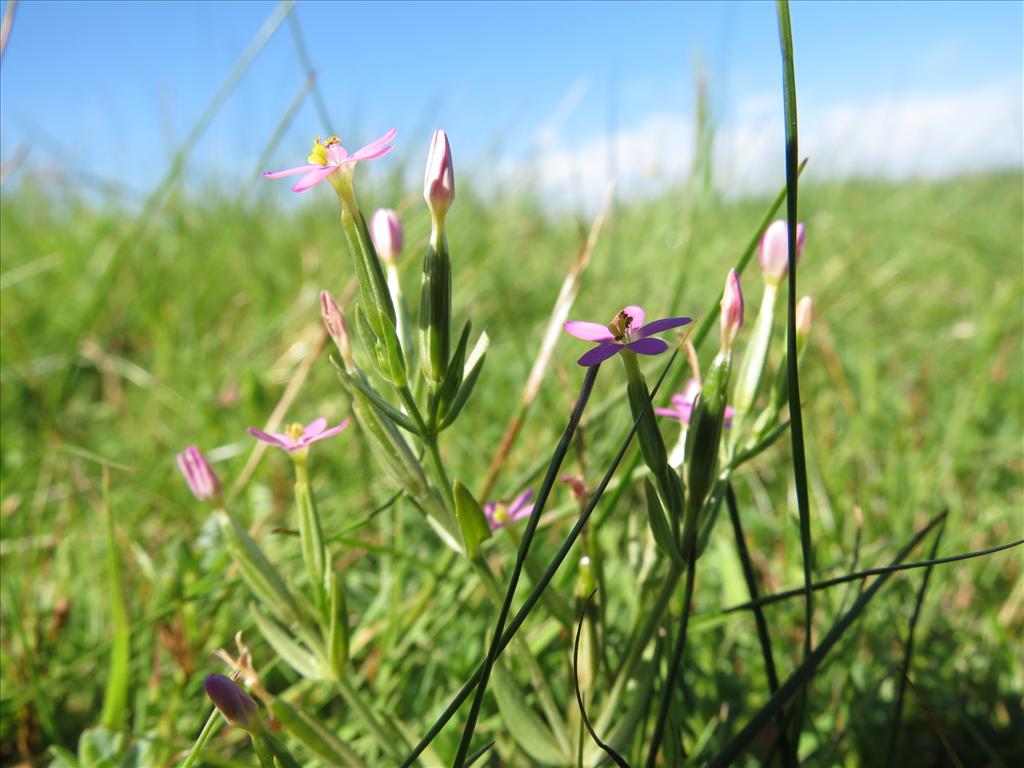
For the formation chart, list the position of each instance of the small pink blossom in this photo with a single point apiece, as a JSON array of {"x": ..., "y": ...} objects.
[
  {"x": 773, "y": 250},
  {"x": 439, "y": 179},
  {"x": 499, "y": 515},
  {"x": 329, "y": 156},
  {"x": 202, "y": 480},
  {"x": 296, "y": 437},
  {"x": 683, "y": 403},
  {"x": 804, "y": 314},
  {"x": 626, "y": 331}
]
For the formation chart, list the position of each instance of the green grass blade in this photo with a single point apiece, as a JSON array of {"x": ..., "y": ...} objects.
[{"x": 115, "y": 696}]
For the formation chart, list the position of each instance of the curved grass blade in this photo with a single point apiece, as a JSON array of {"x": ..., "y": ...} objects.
[
  {"x": 796, "y": 681},
  {"x": 618, "y": 759},
  {"x": 908, "y": 655}
]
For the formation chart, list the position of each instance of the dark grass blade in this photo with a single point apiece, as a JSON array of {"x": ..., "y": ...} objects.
[
  {"x": 521, "y": 615},
  {"x": 936, "y": 725},
  {"x": 673, "y": 667},
  {"x": 789, "y": 756},
  {"x": 796, "y": 419},
  {"x": 524, "y": 549},
  {"x": 796, "y": 681},
  {"x": 780, "y": 596},
  {"x": 479, "y": 753},
  {"x": 618, "y": 759},
  {"x": 908, "y": 654}
]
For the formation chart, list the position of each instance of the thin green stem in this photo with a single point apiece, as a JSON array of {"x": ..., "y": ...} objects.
[{"x": 204, "y": 736}]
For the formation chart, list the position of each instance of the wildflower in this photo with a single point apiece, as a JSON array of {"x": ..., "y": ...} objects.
[
  {"x": 296, "y": 437},
  {"x": 773, "y": 250},
  {"x": 804, "y": 313},
  {"x": 235, "y": 704},
  {"x": 626, "y": 331},
  {"x": 200, "y": 478},
  {"x": 386, "y": 233},
  {"x": 732, "y": 309},
  {"x": 439, "y": 179},
  {"x": 499, "y": 515},
  {"x": 682, "y": 405},
  {"x": 329, "y": 156}
]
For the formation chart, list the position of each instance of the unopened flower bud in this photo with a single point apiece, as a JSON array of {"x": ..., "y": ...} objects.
[
  {"x": 337, "y": 327},
  {"x": 804, "y": 313},
  {"x": 732, "y": 309},
  {"x": 234, "y": 704},
  {"x": 439, "y": 181},
  {"x": 773, "y": 250},
  {"x": 200, "y": 478},
  {"x": 386, "y": 231}
]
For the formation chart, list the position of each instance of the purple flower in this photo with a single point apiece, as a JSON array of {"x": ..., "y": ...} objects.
[
  {"x": 773, "y": 250},
  {"x": 235, "y": 704},
  {"x": 499, "y": 515},
  {"x": 200, "y": 478},
  {"x": 626, "y": 331},
  {"x": 296, "y": 437},
  {"x": 328, "y": 156},
  {"x": 683, "y": 402}
]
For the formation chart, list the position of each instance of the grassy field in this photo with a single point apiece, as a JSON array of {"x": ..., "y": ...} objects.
[{"x": 913, "y": 387}]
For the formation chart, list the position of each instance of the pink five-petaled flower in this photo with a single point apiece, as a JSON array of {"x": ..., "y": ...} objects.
[
  {"x": 202, "y": 480},
  {"x": 683, "y": 402},
  {"x": 499, "y": 515},
  {"x": 296, "y": 437},
  {"x": 329, "y": 156},
  {"x": 626, "y": 331}
]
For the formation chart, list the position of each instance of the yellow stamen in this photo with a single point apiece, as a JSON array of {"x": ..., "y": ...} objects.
[
  {"x": 500, "y": 513},
  {"x": 318, "y": 155},
  {"x": 619, "y": 326},
  {"x": 295, "y": 431}
]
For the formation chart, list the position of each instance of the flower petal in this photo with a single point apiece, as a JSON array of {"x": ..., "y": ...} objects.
[
  {"x": 601, "y": 353},
  {"x": 520, "y": 513},
  {"x": 375, "y": 148},
  {"x": 648, "y": 346},
  {"x": 290, "y": 171},
  {"x": 636, "y": 315},
  {"x": 313, "y": 178},
  {"x": 315, "y": 427},
  {"x": 521, "y": 500},
  {"x": 263, "y": 437},
  {"x": 324, "y": 435},
  {"x": 587, "y": 331},
  {"x": 658, "y": 326}
]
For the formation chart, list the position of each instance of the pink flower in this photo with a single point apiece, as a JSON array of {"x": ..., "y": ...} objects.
[
  {"x": 626, "y": 331},
  {"x": 296, "y": 437},
  {"x": 773, "y": 250},
  {"x": 329, "y": 156},
  {"x": 804, "y": 313},
  {"x": 683, "y": 402},
  {"x": 732, "y": 309},
  {"x": 200, "y": 478},
  {"x": 499, "y": 515}
]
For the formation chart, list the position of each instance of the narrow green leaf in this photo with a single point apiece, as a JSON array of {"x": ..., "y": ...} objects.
[
  {"x": 311, "y": 733},
  {"x": 115, "y": 696},
  {"x": 472, "y": 520},
  {"x": 468, "y": 382},
  {"x": 522, "y": 722},
  {"x": 453, "y": 376},
  {"x": 293, "y": 654},
  {"x": 659, "y": 525},
  {"x": 262, "y": 578}
]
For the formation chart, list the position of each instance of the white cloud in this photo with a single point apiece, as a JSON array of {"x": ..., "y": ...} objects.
[{"x": 929, "y": 136}]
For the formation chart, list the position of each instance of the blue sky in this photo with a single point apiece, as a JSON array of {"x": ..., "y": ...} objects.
[{"x": 108, "y": 89}]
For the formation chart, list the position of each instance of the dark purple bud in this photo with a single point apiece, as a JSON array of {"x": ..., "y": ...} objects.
[{"x": 235, "y": 704}]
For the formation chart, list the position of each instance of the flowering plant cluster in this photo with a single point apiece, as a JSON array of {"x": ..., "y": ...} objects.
[{"x": 406, "y": 383}]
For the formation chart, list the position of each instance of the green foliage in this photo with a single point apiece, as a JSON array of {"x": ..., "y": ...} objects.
[{"x": 913, "y": 387}]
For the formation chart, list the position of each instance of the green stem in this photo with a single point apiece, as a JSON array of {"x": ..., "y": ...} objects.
[{"x": 204, "y": 736}]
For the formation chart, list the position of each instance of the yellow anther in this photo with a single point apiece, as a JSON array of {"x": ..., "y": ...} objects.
[
  {"x": 619, "y": 326},
  {"x": 500, "y": 514},
  {"x": 295, "y": 431}
]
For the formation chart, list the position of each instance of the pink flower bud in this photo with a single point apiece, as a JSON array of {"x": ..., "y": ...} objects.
[
  {"x": 336, "y": 326},
  {"x": 235, "y": 704},
  {"x": 773, "y": 250},
  {"x": 200, "y": 478},
  {"x": 439, "y": 181},
  {"x": 386, "y": 231},
  {"x": 804, "y": 312},
  {"x": 732, "y": 309}
]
